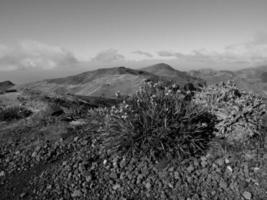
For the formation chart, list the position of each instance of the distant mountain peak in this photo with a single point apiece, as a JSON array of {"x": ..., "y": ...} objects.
[
  {"x": 160, "y": 66},
  {"x": 4, "y": 85},
  {"x": 7, "y": 83}
]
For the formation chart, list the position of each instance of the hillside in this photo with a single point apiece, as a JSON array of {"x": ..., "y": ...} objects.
[
  {"x": 72, "y": 148},
  {"x": 168, "y": 72},
  {"x": 252, "y": 79},
  {"x": 5, "y": 85},
  {"x": 106, "y": 82}
]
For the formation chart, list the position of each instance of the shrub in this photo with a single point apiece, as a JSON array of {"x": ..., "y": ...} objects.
[
  {"x": 239, "y": 112},
  {"x": 158, "y": 121},
  {"x": 14, "y": 112}
]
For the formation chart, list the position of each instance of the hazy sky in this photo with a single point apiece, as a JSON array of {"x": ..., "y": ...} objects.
[{"x": 46, "y": 34}]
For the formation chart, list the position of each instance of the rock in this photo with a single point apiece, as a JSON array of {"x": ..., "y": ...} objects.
[
  {"x": 229, "y": 169},
  {"x": 75, "y": 139},
  {"x": 246, "y": 170},
  {"x": 247, "y": 195},
  {"x": 22, "y": 195},
  {"x": 219, "y": 162},
  {"x": 171, "y": 169},
  {"x": 122, "y": 163},
  {"x": 116, "y": 186},
  {"x": 77, "y": 123},
  {"x": 227, "y": 161},
  {"x": 88, "y": 178},
  {"x": 105, "y": 162},
  {"x": 2, "y": 173},
  {"x": 34, "y": 154},
  {"x": 76, "y": 193},
  {"x": 190, "y": 168},
  {"x": 223, "y": 185},
  {"x": 256, "y": 169},
  {"x": 113, "y": 175},
  {"x": 148, "y": 186},
  {"x": 176, "y": 175}
]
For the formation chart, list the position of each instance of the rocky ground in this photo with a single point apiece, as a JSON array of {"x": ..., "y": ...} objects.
[{"x": 58, "y": 157}]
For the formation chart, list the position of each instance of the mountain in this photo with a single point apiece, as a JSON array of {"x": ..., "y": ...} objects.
[
  {"x": 212, "y": 76},
  {"x": 166, "y": 71},
  {"x": 101, "y": 82},
  {"x": 252, "y": 79},
  {"x": 5, "y": 85},
  {"x": 106, "y": 82}
]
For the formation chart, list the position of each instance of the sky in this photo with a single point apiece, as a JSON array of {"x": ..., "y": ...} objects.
[{"x": 41, "y": 38}]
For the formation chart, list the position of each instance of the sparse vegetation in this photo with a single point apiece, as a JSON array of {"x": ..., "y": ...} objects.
[
  {"x": 13, "y": 113},
  {"x": 239, "y": 112},
  {"x": 163, "y": 143},
  {"x": 157, "y": 122}
]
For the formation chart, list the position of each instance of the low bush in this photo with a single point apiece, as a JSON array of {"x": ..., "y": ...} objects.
[
  {"x": 13, "y": 113},
  {"x": 158, "y": 121},
  {"x": 238, "y": 111}
]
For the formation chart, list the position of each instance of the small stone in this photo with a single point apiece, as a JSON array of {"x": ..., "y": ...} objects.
[
  {"x": 122, "y": 163},
  {"x": 196, "y": 163},
  {"x": 219, "y": 162},
  {"x": 116, "y": 186},
  {"x": 229, "y": 169},
  {"x": 22, "y": 195},
  {"x": 223, "y": 185},
  {"x": 77, "y": 123},
  {"x": 171, "y": 169},
  {"x": 227, "y": 161},
  {"x": 34, "y": 154},
  {"x": 105, "y": 162},
  {"x": 76, "y": 193},
  {"x": 84, "y": 142},
  {"x": 148, "y": 186},
  {"x": 2, "y": 173},
  {"x": 113, "y": 175},
  {"x": 76, "y": 139},
  {"x": 88, "y": 178},
  {"x": 256, "y": 169},
  {"x": 247, "y": 195},
  {"x": 246, "y": 170},
  {"x": 190, "y": 168},
  {"x": 176, "y": 175}
]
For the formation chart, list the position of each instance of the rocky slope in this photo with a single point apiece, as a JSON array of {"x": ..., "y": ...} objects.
[{"x": 46, "y": 157}]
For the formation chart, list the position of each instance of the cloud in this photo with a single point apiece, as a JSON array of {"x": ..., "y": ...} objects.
[
  {"x": 247, "y": 54},
  {"x": 30, "y": 54},
  {"x": 108, "y": 56},
  {"x": 143, "y": 53},
  {"x": 165, "y": 53},
  {"x": 260, "y": 38}
]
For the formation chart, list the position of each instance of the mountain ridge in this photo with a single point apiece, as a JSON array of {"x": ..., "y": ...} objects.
[{"x": 106, "y": 82}]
